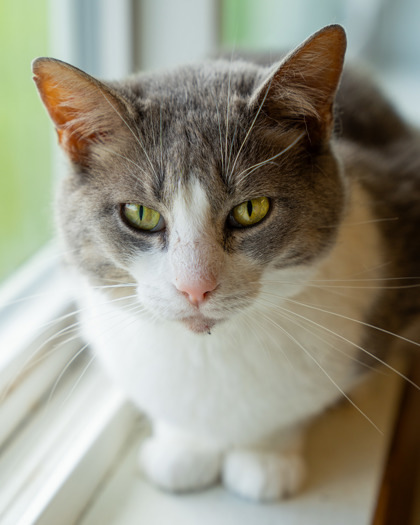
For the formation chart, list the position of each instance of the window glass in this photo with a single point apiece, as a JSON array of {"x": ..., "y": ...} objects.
[
  {"x": 383, "y": 36},
  {"x": 25, "y": 135},
  {"x": 274, "y": 24}
]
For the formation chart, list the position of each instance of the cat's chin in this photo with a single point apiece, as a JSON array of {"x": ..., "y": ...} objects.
[{"x": 199, "y": 324}]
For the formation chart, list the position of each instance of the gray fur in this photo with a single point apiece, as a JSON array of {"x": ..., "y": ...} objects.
[{"x": 192, "y": 123}]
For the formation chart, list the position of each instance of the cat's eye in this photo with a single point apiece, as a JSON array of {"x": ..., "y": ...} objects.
[
  {"x": 143, "y": 218},
  {"x": 249, "y": 212}
]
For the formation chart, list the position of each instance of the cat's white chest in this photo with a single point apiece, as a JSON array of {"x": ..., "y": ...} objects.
[{"x": 248, "y": 378}]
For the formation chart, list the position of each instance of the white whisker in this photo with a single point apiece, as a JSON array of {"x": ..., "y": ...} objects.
[
  {"x": 344, "y": 286},
  {"x": 363, "y": 323},
  {"x": 161, "y": 139},
  {"x": 81, "y": 375},
  {"x": 113, "y": 152},
  {"x": 231, "y": 146},
  {"x": 250, "y": 128},
  {"x": 227, "y": 113},
  {"x": 251, "y": 169},
  {"x": 57, "y": 381},
  {"x": 330, "y": 378},
  {"x": 370, "y": 354},
  {"x": 136, "y": 137},
  {"x": 220, "y": 134}
]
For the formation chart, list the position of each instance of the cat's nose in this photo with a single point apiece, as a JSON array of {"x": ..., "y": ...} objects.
[{"x": 196, "y": 292}]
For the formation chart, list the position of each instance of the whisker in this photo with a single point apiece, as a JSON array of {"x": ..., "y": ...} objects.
[
  {"x": 251, "y": 127},
  {"x": 30, "y": 360},
  {"x": 113, "y": 152},
  {"x": 36, "y": 360},
  {"x": 81, "y": 375},
  {"x": 254, "y": 319},
  {"x": 251, "y": 169},
  {"x": 122, "y": 285},
  {"x": 334, "y": 349},
  {"x": 348, "y": 287},
  {"x": 342, "y": 392},
  {"x": 136, "y": 137},
  {"x": 161, "y": 139},
  {"x": 220, "y": 133},
  {"x": 70, "y": 362},
  {"x": 370, "y": 354},
  {"x": 231, "y": 145},
  {"x": 361, "y": 279},
  {"x": 227, "y": 111},
  {"x": 371, "y": 221},
  {"x": 363, "y": 323}
]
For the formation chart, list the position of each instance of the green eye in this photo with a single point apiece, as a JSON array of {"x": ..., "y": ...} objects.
[
  {"x": 143, "y": 218},
  {"x": 250, "y": 212}
]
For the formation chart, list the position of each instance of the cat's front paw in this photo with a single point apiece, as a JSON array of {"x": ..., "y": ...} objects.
[
  {"x": 179, "y": 467},
  {"x": 263, "y": 476}
]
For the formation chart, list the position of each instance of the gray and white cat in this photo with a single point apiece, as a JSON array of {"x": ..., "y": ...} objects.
[{"x": 241, "y": 242}]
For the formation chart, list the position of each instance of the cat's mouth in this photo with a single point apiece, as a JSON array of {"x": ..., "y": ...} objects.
[{"x": 199, "y": 324}]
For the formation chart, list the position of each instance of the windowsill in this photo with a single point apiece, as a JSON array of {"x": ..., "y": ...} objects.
[
  {"x": 62, "y": 425},
  {"x": 346, "y": 456}
]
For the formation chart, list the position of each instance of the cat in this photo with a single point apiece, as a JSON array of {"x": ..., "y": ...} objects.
[{"x": 241, "y": 234}]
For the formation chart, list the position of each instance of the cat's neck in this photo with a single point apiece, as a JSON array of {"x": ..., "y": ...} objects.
[{"x": 358, "y": 252}]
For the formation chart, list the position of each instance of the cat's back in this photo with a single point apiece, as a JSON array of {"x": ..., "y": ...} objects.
[
  {"x": 365, "y": 115},
  {"x": 382, "y": 151}
]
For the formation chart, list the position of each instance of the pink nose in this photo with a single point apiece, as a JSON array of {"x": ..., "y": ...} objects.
[{"x": 196, "y": 292}]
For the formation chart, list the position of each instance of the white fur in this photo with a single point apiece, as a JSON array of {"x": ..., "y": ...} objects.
[
  {"x": 262, "y": 372},
  {"x": 263, "y": 476},
  {"x": 176, "y": 461},
  {"x": 193, "y": 256}
]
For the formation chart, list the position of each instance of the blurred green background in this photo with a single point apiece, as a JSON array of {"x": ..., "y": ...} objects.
[{"x": 25, "y": 134}]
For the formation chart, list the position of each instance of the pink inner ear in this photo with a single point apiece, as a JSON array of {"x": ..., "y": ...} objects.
[{"x": 79, "y": 106}]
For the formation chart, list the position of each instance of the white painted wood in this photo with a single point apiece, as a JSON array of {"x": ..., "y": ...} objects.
[
  {"x": 61, "y": 423},
  {"x": 32, "y": 329},
  {"x": 53, "y": 467}
]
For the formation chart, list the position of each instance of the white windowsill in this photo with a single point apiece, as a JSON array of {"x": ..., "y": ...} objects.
[
  {"x": 62, "y": 425},
  {"x": 346, "y": 457}
]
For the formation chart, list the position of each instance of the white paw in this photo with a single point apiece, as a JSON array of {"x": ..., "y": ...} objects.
[
  {"x": 179, "y": 468},
  {"x": 263, "y": 476}
]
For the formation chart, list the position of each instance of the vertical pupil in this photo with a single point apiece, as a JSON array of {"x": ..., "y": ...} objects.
[
  {"x": 141, "y": 212},
  {"x": 249, "y": 207}
]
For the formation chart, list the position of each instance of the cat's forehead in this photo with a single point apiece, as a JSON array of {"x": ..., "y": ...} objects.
[{"x": 215, "y": 82}]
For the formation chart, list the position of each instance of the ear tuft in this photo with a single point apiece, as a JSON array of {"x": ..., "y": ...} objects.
[{"x": 84, "y": 111}]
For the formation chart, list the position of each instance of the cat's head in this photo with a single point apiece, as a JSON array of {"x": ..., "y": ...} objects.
[{"x": 197, "y": 184}]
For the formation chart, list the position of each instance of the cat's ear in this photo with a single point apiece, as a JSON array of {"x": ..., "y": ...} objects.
[
  {"x": 85, "y": 111},
  {"x": 300, "y": 91}
]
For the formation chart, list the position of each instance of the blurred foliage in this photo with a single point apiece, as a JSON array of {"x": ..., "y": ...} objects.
[{"x": 25, "y": 136}]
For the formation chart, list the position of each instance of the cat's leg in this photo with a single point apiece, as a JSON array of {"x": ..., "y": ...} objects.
[
  {"x": 264, "y": 472},
  {"x": 177, "y": 461}
]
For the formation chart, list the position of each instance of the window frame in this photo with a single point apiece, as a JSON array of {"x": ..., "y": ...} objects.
[
  {"x": 36, "y": 304},
  {"x": 56, "y": 483}
]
